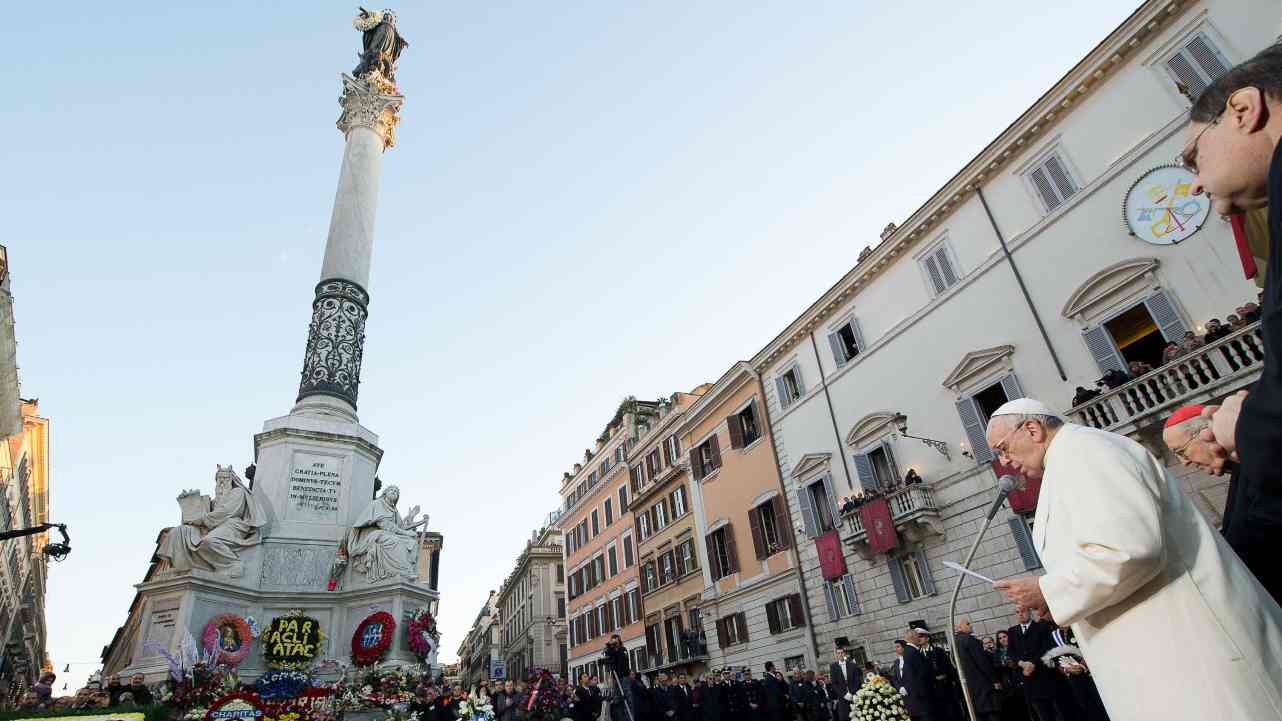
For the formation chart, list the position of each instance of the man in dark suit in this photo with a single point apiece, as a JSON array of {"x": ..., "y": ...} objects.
[
  {"x": 753, "y": 693},
  {"x": 917, "y": 682},
  {"x": 582, "y": 710},
  {"x": 665, "y": 708},
  {"x": 1030, "y": 639},
  {"x": 894, "y": 673},
  {"x": 734, "y": 699},
  {"x": 775, "y": 694},
  {"x": 846, "y": 680},
  {"x": 981, "y": 675},
  {"x": 711, "y": 699},
  {"x": 948, "y": 699},
  {"x": 681, "y": 699}
]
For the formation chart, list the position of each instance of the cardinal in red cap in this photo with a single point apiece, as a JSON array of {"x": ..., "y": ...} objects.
[{"x": 1181, "y": 436}]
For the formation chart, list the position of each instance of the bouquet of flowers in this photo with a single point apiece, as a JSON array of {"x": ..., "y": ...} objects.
[
  {"x": 279, "y": 684},
  {"x": 476, "y": 708},
  {"x": 877, "y": 700},
  {"x": 547, "y": 702}
]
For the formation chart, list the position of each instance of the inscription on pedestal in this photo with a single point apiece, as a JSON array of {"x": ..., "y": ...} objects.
[
  {"x": 315, "y": 486},
  {"x": 302, "y": 567},
  {"x": 161, "y": 625}
]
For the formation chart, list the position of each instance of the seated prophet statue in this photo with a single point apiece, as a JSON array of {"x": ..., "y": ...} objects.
[
  {"x": 213, "y": 540},
  {"x": 381, "y": 544}
]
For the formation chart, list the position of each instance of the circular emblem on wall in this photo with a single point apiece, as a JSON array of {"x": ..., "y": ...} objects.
[
  {"x": 1160, "y": 207},
  {"x": 235, "y": 707},
  {"x": 372, "y": 638},
  {"x": 231, "y": 635}
]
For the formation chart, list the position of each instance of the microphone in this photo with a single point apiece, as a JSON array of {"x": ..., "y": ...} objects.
[{"x": 1005, "y": 485}]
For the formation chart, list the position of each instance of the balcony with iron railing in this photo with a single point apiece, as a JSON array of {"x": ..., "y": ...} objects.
[
  {"x": 1212, "y": 371},
  {"x": 912, "y": 510},
  {"x": 692, "y": 648}
]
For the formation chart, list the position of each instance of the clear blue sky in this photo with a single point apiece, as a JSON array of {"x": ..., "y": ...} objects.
[{"x": 589, "y": 200}]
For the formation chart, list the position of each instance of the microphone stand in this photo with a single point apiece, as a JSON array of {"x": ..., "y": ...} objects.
[{"x": 952, "y": 604}]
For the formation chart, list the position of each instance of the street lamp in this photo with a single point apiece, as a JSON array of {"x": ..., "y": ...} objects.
[{"x": 901, "y": 423}]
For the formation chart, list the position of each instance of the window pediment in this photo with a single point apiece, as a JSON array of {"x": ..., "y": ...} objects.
[
  {"x": 979, "y": 364},
  {"x": 810, "y": 463},
  {"x": 1129, "y": 277},
  {"x": 870, "y": 427}
]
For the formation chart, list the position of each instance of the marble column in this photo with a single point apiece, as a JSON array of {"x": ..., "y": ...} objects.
[{"x": 336, "y": 337}]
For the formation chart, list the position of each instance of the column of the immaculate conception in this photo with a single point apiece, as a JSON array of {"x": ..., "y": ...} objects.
[{"x": 319, "y": 537}]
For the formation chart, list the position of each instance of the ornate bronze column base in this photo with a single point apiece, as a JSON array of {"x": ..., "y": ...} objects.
[{"x": 335, "y": 341}]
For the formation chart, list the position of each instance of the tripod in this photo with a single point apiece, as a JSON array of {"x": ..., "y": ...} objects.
[{"x": 623, "y": 695}]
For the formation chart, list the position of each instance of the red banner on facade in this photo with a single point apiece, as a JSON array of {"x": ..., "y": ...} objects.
[
  {"x": 832, "y": 562},
  {"x": 1024, "y": 498},
  {"x": 879, "y": 525}
]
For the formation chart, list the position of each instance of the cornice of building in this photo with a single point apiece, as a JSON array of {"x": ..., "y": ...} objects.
[
  {"x": 1047, "y": 113},
  {"x": 728, "y": 384}
]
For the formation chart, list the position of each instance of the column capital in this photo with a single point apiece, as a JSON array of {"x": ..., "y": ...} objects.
[{"x": 370, "y": 101}]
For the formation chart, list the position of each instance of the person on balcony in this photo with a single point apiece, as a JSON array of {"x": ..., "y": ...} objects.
[
  {"x": 1139, "y": 368},
  {"x": 1191, "y": 342},
  {"x": 1172, "y": 351},
  {"x": 1084, "y": 395},
  {"x": 1215, "y": 331},
  {"x": 1234, "y": 322}
]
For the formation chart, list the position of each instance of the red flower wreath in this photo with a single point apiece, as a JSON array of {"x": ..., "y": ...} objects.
[
  {"x": 421, "y": 634},
  {"x": 366, "y": 650},
  {"x": 229, "y": 634}
]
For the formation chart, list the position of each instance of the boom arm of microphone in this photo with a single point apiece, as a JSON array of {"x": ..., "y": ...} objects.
[{"x": 1005, "y": 485}]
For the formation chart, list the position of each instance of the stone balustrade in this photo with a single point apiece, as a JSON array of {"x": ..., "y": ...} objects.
[
  {"x": 906, "y": 504},
  {"x": 1209, "y": 372}
]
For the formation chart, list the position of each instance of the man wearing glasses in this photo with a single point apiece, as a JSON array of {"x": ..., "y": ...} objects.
[{"x": 1127, "y": 559}]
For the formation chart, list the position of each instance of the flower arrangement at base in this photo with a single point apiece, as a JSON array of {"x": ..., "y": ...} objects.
[
  {"x": 377, "y": 688},
  {"x": 877, "y": 700},
  {"x": 230, "y": 635},
  {"x": 421, "y": 634},
  {"x": 282, "y": 684},
  {"x": 292, "y": 640},
  {"x": 372, "y": 638}
]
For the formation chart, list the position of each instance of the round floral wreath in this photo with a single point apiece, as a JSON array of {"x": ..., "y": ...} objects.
[
  {"x": 213, "y": 638},
  {"x": 367, "y": 655},
  {"x": 243, "y": 697},
  {"x": 421, "y": 634}
]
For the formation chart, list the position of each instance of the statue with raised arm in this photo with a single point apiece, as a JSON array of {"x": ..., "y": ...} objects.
[
  {"x": 212, "y": 540},
  {"x": 381, "y": 544},
  {"x": 381, "y": 44}
]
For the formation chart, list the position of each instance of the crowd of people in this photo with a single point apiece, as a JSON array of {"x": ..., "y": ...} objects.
[
  {"x": 853, "y": 502},
  {"x": 1215, "y": 330}
]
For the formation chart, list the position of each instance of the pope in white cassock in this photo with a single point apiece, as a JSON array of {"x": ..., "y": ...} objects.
[{"x": 1171, "y": 622}]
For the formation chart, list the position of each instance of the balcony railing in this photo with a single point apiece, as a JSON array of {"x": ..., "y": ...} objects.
[
  {"x": 913, "y": 511},
  {"x": 688, "y": 651},
  {"x": 1208, "y": 372}
]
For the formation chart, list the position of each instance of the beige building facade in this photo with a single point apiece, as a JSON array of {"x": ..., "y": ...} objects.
[
  {"x": 668, "y": 544},
  {"x": 532, "y": 606}
]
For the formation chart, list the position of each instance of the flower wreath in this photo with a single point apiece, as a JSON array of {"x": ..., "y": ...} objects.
[
  {"x": 231, "y": 651},
  {"x": 292, "y": 640},
  {"x": 368, "y": 649},
  {"x": 421, "y": 634},
  {"x": 240, "y": 706}
]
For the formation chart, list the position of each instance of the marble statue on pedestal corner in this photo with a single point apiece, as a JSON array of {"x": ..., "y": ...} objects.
[
  {"x": 382, "y": 544},
  {"x": 381, "y": 44},
  {"x": 212, "y": 540}
]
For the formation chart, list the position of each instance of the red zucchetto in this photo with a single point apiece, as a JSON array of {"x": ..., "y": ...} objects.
[{"x": 1184, "y": 414}]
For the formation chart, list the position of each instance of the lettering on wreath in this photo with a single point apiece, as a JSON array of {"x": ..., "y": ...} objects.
[{"x": 291, "y": 640}]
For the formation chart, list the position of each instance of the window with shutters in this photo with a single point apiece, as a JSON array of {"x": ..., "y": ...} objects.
[
  {"x": 976, "y": 409},
  {"x": 667, "y": 568},
  {"x": 789, "y": 386},
  {"x": 939, "y": 267},
  {"x": 686, "y": 559},
  {"x": 846, "y": 341},
  {"x": 678, "y": 499},
  {"x": 623, "y": 500},
  {"x": 744, "y": 427},
  {"x": 705, "y": 459},
  {"x": 1052, "y": 181},
  {"x": 616, "y": 608},
  {"x": 784, "y": 614},
  {"x": 612, "y": 560},
  {"x": 634, "y": 605},
  {"x": 628, "y": 559},
  {"x": 660, "y": 511},
  {"x": 1138, "y": 334},
  {"x": 876, "y": 467},
  {"x": 643, "y": 526},
  {"x": 672, "y": 449},
  {"x": 636, "y": 476},
  {"x": 840, "y": 597},
  {"x": 596, "y": 523},
  {"x": 722, "y": 558},
  {"x": 1196, "y": 62},
  {"x": 769, "y": 526},
  {"x": 609, "y": 512},
  {"x": 1021, "y": 529},
  {"x": 822, "y": 506},
  {"x": 911, "y": 576},
  {"x": 732, "y": 630},
  {"x": 653, "y": 464},
  {"x": 649, "y": 578}
]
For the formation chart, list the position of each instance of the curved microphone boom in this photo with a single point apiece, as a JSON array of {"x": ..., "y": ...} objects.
[{"x": 1005, "y": 485}]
